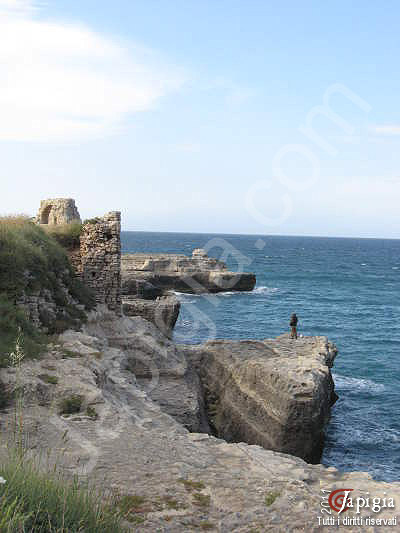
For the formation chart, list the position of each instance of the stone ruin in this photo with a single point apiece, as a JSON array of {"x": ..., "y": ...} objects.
[
  {"x": 58, "y": 211},
  {"x": 97, "y": 259},
  {"x": 100, "y": 259}
]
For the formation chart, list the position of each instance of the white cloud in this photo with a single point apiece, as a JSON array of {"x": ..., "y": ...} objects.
[
  {"x": 391, "y": 129},
  {"x": 64, "y": 82}
]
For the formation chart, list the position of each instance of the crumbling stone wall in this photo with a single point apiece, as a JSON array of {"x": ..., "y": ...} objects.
[
  {"x": 100, "y": 259},
  {"x": 56, "y": 211}
]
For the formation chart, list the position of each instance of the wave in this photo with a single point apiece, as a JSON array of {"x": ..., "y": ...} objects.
[
  {"x": 256, "y": 291},
  {"x": 264, "y": 290},
  {"x": 355, "y": 384},
  {"x": 185, "y": 296}
]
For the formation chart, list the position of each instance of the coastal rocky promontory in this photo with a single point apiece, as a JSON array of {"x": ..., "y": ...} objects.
[
  {"x": 204, "y": 437},
  {"x": 149, "y": 280},
  {"x": 139, "y": 430},
  {"x": 276, "y": 393},
  {"x": 177, "y": 272}
]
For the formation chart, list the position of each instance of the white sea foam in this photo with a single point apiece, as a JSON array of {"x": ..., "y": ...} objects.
[
  {"x": 264, "y": 290},
  {"x": 188, "y": 297},
  {"x": 354, "y": 384}
]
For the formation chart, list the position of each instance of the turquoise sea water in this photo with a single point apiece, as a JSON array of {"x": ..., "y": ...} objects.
[{"x": 346, "y": 289}]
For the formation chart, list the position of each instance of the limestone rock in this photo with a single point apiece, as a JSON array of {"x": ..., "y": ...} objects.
[
  {"x": 158, "y": 365},
  {"x": 162, "y": 312},
  {"x": 136, "y": 288},
  {"x": 196, "y": 274},
  {"x": 189, "y": 481},
  {"x": 275, "y": 393},
  {"x": 58, "y": 211}
]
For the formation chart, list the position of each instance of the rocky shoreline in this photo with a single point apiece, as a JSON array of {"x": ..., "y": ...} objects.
[
  {"x": 276, "y": 393},
  {"x": 177, "y": 272},
  {"x": 142, "y": 429},
  {"x": 207, "y": 437}
]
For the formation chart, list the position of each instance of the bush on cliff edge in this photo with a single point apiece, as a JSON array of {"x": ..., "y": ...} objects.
[{"x": 32, "y": 262}]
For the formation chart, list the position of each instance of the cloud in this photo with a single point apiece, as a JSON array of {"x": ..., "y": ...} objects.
[
  {"x": 63, "y": 81},
  {"x": 393, "y": 129}
]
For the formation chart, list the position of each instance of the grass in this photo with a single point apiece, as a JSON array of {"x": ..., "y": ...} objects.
[
  {"x": 192, "y": 485},
  {"x": 271, "y": 497},
  {"x": 92, "y": 413},
  {"x": 206, "y": 526},
  {"x": 71, "y": 405},
  {"x": 47, "y": 378},
  {"x": 201, "y": 500},
  {"x": 172, "y": 503},
  {"x": 43, "y": 502},
  {"x": 131, "y": 507},
  {"x": 69, "y": 353},
  {"x": 32, "y": 262}
]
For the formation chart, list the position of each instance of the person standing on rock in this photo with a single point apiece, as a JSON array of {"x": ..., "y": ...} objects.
[{"x": 293, "y": 325}]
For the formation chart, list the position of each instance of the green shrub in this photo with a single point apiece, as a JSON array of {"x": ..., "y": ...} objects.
[
  {"x": 92, "y": 413},
  {"x": 271, "y": 497},
  {"x": 68, "y": 235},
  {"x": 31, "y": 260},
  {"x": 92, "y": 220},
  {"x": 71, "y": 405},
  {"x": 131, "y": 507},
  {"x": 33, "y": 500},
  {"x": 191, "y": 485},
  {"x": 66, "y": 354},
  {"x": 202, "y": 500},
  {"x": 47, "y": 378},
  {"x": 13, "y": 319}
]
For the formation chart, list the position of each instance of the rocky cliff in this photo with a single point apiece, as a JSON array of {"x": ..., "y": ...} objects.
[
  {"x": 276, "y": 393},
  {"x": 163, "y": 312},
  {"x": 196, "y": 274},
  {"x": 135, "y": 398}
]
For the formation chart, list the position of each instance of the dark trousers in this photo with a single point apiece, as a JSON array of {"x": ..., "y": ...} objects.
[{"x": 293, "y": 333}]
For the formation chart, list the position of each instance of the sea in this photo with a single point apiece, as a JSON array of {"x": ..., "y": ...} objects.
[{"x": 344, "y": 288}]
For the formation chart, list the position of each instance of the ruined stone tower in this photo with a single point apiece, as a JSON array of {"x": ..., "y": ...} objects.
[
  {"x": 100, "y": 254},
  {"x": 58, "y": 211},
  {"x": 97, "y": 258}
]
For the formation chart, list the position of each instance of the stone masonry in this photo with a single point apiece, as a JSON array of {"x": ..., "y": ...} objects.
[
  {"x": 100, "y": 259},
  {"x": 58, "y": 211}
]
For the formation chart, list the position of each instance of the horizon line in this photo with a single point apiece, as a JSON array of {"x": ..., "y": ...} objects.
[{"x": 261, "y": 235}]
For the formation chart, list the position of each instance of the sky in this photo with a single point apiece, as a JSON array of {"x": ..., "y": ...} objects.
[{"x": 214, "y": 116}]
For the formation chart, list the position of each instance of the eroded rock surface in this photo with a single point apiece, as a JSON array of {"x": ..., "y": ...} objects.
[
  {"x": 276, "y": 393},
  {"x": 196, "y": 274},
  {"x": 188, "y": 482},
  {"x": 162, "y": 312}
]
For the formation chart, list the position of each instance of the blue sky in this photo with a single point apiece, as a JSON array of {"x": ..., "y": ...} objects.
[{"x": 186, "y": 115}]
